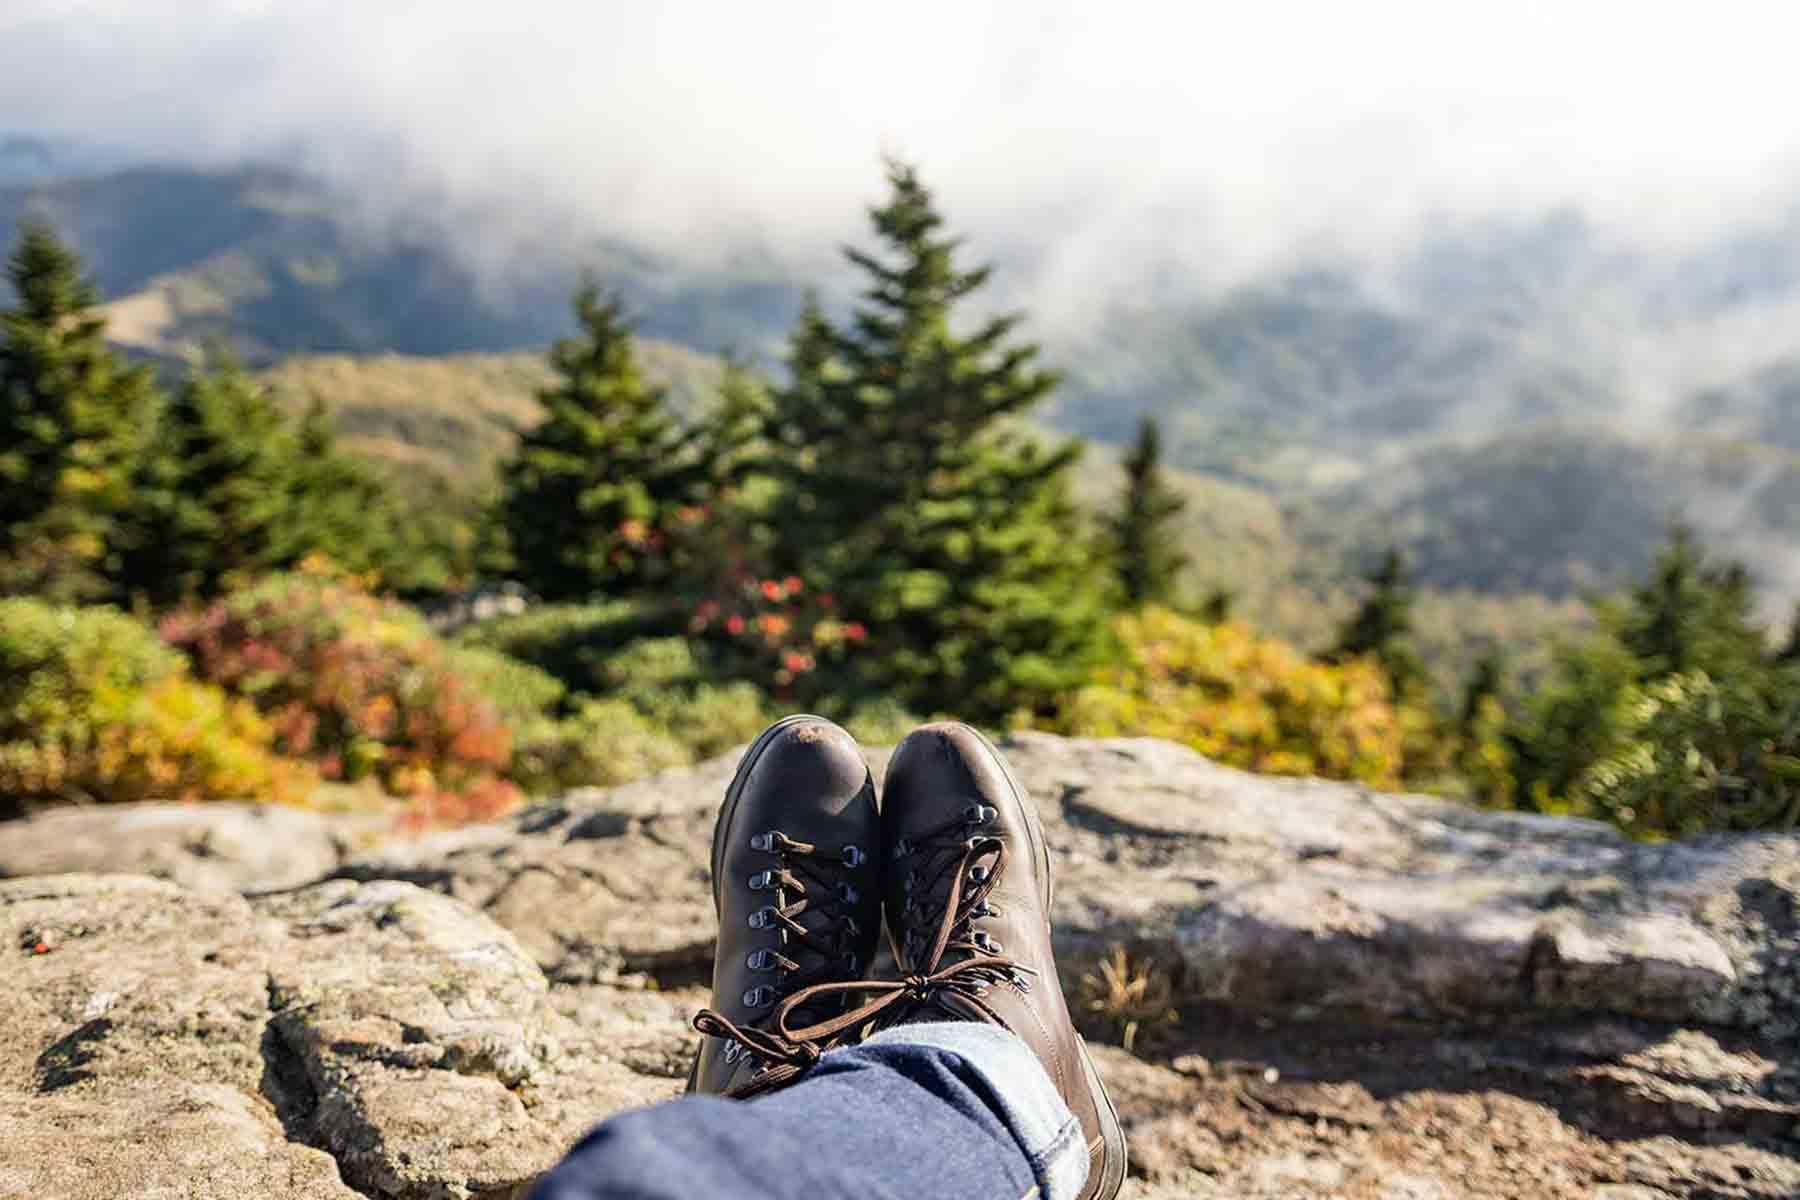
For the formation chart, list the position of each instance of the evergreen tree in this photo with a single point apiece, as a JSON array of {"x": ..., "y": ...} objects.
[
  {"x": 1144, "y": 546},
  {"x": 1383, "y": 626},
  {"x": 1216, "y": 608},
  {"x": 590, "y": 489},
  {"x": 216, "y": 495},
  {"x": 732, "y": 436},
  {"x": 1790, "y": 651},
  {"x": 910, "y": 491},
  {"x": 1484, "y": 686},
  {"x": 338, "y": 508},
  {"x": 71, "y": 421},
  {"x": 1672, "y": 716},
  {"x": 1689, "y": 615},
  {"x": 1482, "y": 755}
]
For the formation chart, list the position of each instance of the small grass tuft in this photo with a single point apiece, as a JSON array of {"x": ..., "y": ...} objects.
[{"x": 1125, "y": 994}]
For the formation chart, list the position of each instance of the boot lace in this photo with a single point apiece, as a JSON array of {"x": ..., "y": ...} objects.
[
  {"x": 952, "y": 871},
  {"x": 811, "y": 911}
]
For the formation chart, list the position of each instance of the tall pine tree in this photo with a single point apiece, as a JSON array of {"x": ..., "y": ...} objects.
[
  {"x": 216, "y": 496},
  {"x": 590, "y": 489},
  {"x": 1383, "y": 626},
  {"x": 911, "y": 492},
  {"x": 731, "y": 436},
  {"x": 1144, "y": 546},
  {"x": 1689, "y": 615},
  {"x": 72, "y": 417}
]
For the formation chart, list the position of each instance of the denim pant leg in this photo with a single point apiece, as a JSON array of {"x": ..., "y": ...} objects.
[{"x": 949, "y": 1109}]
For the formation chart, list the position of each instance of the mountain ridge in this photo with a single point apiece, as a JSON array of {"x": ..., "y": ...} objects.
[{"x": 1368, "y": 409}]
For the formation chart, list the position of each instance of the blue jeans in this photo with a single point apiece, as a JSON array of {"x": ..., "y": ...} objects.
[{"x": 953, "y": 1109}]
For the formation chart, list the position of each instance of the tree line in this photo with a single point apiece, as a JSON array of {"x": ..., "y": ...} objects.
[
  {"x": 891, "y": 475},
  {"x": 883, "y": 521}
]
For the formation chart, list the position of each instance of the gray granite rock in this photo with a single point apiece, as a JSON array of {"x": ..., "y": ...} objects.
[
  {"x": 224, "y": 847},
  {"x": 1272, "y": 894}
]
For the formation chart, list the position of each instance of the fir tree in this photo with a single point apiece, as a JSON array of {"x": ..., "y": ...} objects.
[
  {"x": 1484, "y": 685},
  {"x": 590, "y": 489},
  {"x": 732, "y": 436},
  {"x": 1790, "y": 651},
  {"x": 71, "y": 422},
  {"x": 216, "y": 496},
  {"x": 910, "y": 491},
  {"x": 1141, "y": 540},
  {"x": 337, "y": 509},
  {"x": 1383, "y": 626},
  {"x": 1689, "y": 614}
]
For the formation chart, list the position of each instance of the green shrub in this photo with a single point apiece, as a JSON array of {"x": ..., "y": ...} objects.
[
  {"x": 672, "y": 683},
  {"x": 880, "y": 722},
  {"x": 94, "y": 708},
  {"x": 605, "y": 742},
  {"x": 573, "y": 642},
  {"x": 519, "y": 690},
  {"x": 648, "y": 671},
  {"x": 710, "y": 719},
  {"x": 1695, "y": 755}
]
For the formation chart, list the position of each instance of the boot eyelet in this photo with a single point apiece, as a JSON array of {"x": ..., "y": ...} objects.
[
  {"x": 760, "y": 960},
  {"x": 854, "y": 857},
  {"x": 759, "y": 997},
  {"x": 980, "y": 814},
  {"x": 762, "y": 841},
  {"x": 986, "y": 944},
  {"x": 762, "y": 881},
  {"x": 902, "y": 848},
  {"x": 978, "y": 874},
  {"x": 762, "y": 918},
  {"x": 848, "y": 894},
  {"x": 733, "y": 1051},
  {"x": 912, "y": 879},
  {"x": 851, "y": 927}
]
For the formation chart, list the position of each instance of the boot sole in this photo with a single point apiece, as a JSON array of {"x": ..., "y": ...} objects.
[
  {"x": 1113, "y": 1162},
  {"x": 732, "y": 791}
]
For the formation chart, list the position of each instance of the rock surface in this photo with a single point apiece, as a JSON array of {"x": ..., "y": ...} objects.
[
  {"x": 1380, "y": 996},
  {"x": 231, "y": 847}
]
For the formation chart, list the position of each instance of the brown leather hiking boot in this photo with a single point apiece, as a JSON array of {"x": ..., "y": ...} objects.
[
  {"x": 966, "y": 891},
  {"x": 795, "y": 884}
]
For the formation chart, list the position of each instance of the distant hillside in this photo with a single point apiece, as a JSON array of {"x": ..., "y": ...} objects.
[
  {"x": 1764, "y": 407},
  {"x": 1557, "y": 509},
  {"x": 276, "y": 264},
  {"x": 456, "y": 416}
]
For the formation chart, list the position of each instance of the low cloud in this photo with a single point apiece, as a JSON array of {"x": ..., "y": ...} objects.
[{"x": 1199, "y": 141}]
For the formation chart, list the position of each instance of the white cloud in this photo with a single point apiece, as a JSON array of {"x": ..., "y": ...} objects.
[{"x": 1216, "y": 135}]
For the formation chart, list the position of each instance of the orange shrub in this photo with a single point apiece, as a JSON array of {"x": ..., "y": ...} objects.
[{"x": 359, "y": 685}]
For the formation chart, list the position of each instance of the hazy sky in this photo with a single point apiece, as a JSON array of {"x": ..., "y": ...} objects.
[{"x": 1237, "y": 131}]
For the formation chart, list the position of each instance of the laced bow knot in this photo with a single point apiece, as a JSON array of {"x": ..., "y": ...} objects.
[{"x": 968, "y": 866}]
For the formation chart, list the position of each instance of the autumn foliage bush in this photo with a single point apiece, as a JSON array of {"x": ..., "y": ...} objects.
[
  {"x": 359, "y": 685},
  {"x": 93, "y": 708},
  {"x": 1242, "y": 699}
]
